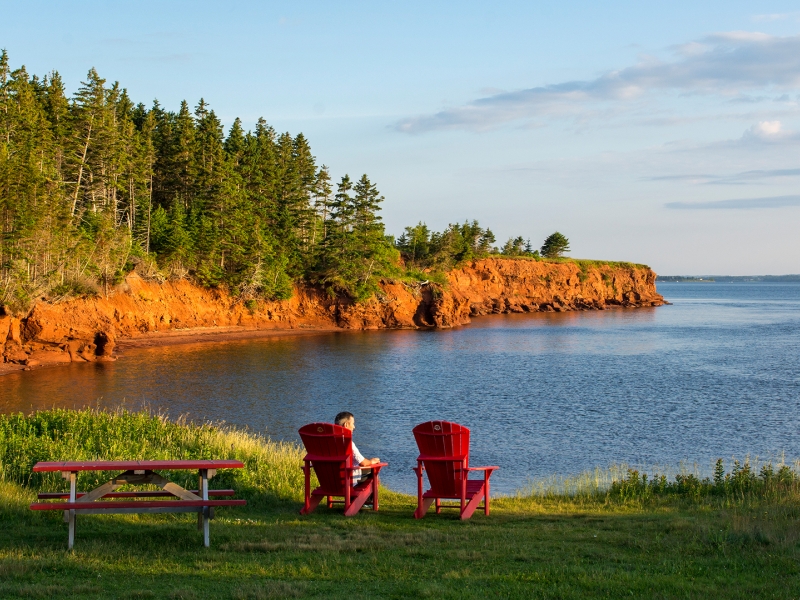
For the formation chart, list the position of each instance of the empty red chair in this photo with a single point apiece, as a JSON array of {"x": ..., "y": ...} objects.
[
  {"x": 330, "y": 454},
  {"x": 444, "y": 455}
]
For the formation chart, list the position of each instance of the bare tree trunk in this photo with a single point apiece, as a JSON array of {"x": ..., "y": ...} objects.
[
  {"x": 80, "y": 169},
  {"x": 149, "y": 208},
  {"x": 132, "y": 207}
]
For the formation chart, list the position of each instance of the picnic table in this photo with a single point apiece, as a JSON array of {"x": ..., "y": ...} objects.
[{"x": 138, "y": 472}]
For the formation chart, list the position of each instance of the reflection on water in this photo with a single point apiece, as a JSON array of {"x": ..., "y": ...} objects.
[{"x": 714, "y": 375}]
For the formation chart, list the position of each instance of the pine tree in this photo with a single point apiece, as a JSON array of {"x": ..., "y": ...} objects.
[
  {"x": 414, "y": 243},
  {"x": 356, "y": 250},
  {"x": 555, "y": 245},
  {"x": 515, "y": 247}
]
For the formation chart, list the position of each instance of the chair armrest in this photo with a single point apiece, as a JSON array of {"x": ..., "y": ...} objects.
[
  {"x": 375, "y": 466},
  {"x": 442, "y": 458},
  {"x": 482, "y": 468}
]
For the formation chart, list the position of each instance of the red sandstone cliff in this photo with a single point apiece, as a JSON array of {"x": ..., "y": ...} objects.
[{"x": 87, "y": 329}]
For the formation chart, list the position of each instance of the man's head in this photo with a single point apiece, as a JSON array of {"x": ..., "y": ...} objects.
[{"x": 346, "y": 419}]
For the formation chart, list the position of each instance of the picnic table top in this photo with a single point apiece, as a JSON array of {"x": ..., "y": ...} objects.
[{"x": 137, "y": 465}]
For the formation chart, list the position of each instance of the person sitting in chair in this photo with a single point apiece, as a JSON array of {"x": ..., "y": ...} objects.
[{"x": 347, "y": 420}]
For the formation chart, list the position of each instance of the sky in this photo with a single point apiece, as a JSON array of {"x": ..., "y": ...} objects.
[{"x": 658, "y": 133}]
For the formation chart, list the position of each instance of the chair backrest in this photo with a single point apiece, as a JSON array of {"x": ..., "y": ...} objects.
[
  {"x": 328, "y": 440},
  {"x": 443, "y": 439}
]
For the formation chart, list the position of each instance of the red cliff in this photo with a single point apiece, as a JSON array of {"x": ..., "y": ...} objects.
[{"x": 88, "y": 329}]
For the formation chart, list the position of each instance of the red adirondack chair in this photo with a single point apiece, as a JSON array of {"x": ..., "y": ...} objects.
[
  {"x": 444, "y": 454},
  {"x": 330, "y": 454}
]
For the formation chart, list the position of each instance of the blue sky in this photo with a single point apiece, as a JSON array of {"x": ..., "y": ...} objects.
[{"x": 664, "y": 134}]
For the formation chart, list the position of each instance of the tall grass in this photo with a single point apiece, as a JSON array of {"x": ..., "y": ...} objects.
[
  {"x": 744, "y": 482},
  {"x": 272, "y": 476},
  {"x": 271, "y": 473}
]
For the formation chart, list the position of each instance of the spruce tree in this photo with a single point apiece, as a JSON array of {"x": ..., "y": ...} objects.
[{"x": 555, "y": 245}]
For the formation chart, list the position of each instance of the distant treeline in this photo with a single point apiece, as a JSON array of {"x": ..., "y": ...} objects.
[
  {"x": 728, "y": 278},
  {"x": 94, "y": 185}
]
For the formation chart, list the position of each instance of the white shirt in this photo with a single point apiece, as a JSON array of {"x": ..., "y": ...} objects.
[{"x": 357, "y": 458}]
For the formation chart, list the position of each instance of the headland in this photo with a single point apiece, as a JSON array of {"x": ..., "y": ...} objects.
[{"x": 141, "y": 312}]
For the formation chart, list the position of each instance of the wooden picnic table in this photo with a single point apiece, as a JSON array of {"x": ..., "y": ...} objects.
[{"x": 137, "y": 472}]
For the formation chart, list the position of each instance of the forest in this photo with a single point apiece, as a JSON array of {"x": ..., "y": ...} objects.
[{"x": 93, "y": 186}]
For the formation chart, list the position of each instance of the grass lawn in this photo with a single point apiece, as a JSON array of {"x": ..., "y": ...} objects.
[{"x": 630, "y": 541}]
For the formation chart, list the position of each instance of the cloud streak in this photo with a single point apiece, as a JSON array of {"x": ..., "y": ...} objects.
[
  {"x": 726, "y": 64},
  {"x": 738, "y": 203},
  {"x": 757, "y": 175}
]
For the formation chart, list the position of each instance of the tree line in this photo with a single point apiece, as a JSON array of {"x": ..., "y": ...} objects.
[
  {"x": 95, "y": 185},
  {"x": 421, "y": 247}
]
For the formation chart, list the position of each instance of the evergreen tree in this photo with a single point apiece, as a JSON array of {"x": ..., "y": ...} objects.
[
  {"x": 514, "y": 247},
  {"x": 94, "y": 183},
  {"x": 356, "y": 249},
  {"x": 414, "y": 243},
  {"x": 555, "y": 245}
]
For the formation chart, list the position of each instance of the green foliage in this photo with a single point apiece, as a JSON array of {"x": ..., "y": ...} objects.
[
  {"x": 741, "y": 480},
  {"x": 426, "y": 276},
  {"x": 76, "y": 288},
  {"x": 555, "y": 245},
  {"x": 355, "y": 250},
  {"x": 88, "y": 181},
  {"x": 518, "y": 246},
  {"x": 421, "y": 247}
]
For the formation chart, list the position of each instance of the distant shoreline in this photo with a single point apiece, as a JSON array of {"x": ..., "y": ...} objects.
[{"x": 727, "y": 278}]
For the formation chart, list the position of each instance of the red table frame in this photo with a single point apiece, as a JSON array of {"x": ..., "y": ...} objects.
[{"x": 136, "y": 473}]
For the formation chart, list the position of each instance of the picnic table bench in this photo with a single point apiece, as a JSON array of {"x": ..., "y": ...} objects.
[{"x": 138, "y": 472}]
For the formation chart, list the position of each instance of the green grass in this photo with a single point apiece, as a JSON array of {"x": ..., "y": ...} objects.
[
  {"x": 585, "y": 263},
  {"x": 582, "y": 263},
  {"x": 605, "y": 534}
]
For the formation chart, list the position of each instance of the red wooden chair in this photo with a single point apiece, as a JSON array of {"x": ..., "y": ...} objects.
[
  {"x": 330, "y": 454},
  {"x": 444, "y": 454}
]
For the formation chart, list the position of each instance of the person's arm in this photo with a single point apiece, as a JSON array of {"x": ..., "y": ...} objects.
[{"x": 362, "y": 462}]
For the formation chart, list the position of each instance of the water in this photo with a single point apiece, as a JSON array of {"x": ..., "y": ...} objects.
[{"x": 716, "y": 374}]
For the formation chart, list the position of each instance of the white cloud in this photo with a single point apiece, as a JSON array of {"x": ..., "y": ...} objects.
[
  {"x": 726, "y": 64},
  {"x": 770, "y": 132},
  {"x": 774, "y": 17},
  {"x": 767, "y": 128}
]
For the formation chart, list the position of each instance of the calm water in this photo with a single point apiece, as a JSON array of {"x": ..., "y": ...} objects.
[{"x": 717, "y": 374}]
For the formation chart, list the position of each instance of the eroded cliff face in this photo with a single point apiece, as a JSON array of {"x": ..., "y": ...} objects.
[{"x": 88, "y": 329}]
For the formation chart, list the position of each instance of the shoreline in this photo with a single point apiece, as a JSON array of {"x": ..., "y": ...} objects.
[
  {"x": 179, "y": 337},
  {"x": 202, "y": 335},
  {"x": 194, "y": 335}
]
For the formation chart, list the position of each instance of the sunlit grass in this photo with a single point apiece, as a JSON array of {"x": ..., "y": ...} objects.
[
  {"x": 271, "y": 470},
  {"x": 609, "y": 532}
]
